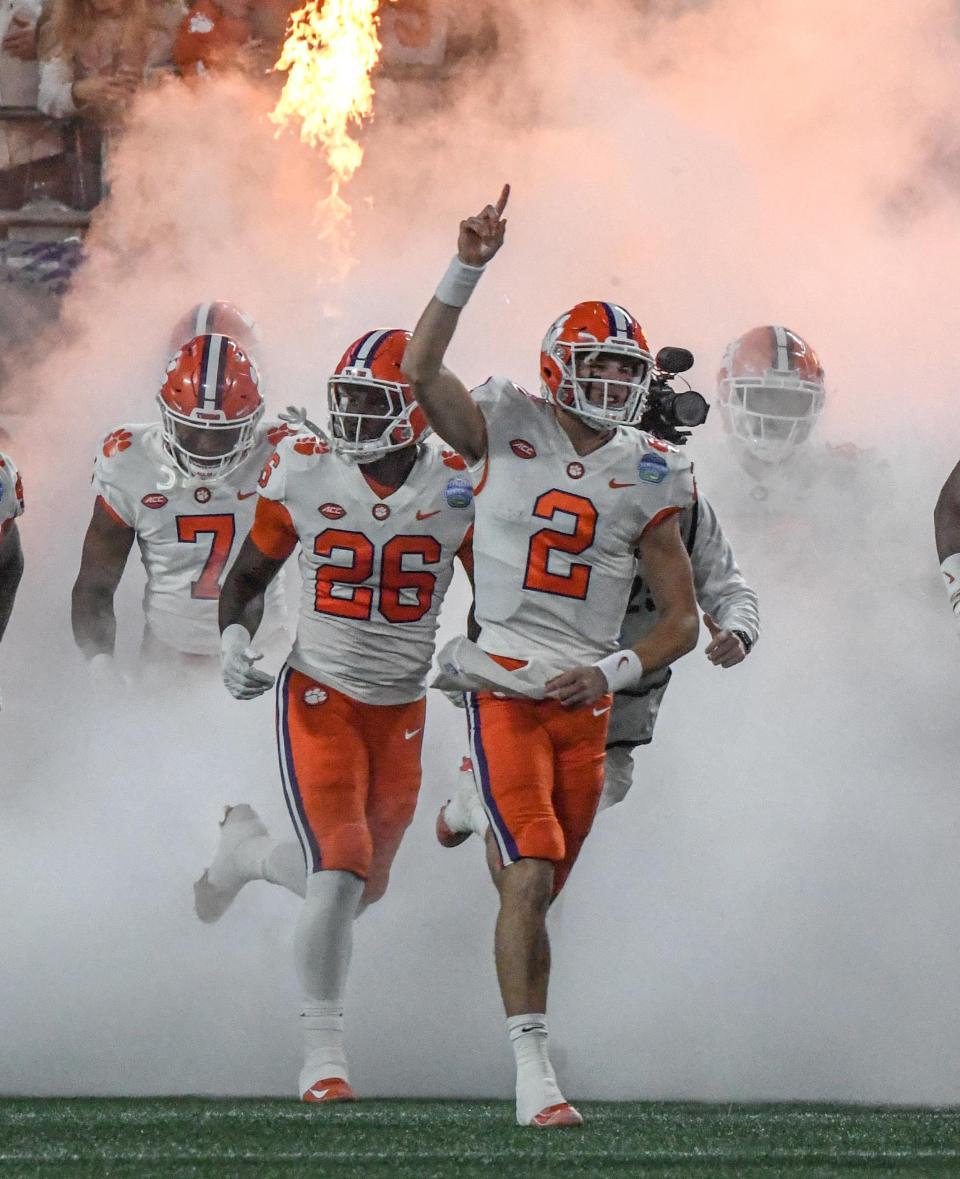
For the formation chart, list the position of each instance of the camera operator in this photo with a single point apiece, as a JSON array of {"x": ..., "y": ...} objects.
[{"x": 729, "y": 604}]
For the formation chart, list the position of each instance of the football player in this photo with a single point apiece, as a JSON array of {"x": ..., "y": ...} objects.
[
  {"x": 379, "y": 516},
  {"x": 946, "y": 526},
  {"x": 185, "y": 488},
  {"x": 565, "y": 496},
  {"x": 11, "y": 554}
]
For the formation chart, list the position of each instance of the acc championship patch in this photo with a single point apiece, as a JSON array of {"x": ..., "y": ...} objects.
[
  {"x": 458, "y": 493},
  {"x": 652, "y": 468}
]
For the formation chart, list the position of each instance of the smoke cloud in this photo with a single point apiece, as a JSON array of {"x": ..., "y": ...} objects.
[{"x": 772, "y": 912}]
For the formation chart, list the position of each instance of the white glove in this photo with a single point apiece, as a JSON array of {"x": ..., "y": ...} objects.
[{"x": 243, "y": 681}]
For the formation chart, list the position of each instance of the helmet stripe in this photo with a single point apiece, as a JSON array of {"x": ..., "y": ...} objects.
[
  {"x": 611, "y": 320},
  {"x": 201, "y": 319},
  {"x": 211, "y": 372},
  {"x": 370, "y": 346},
  {"x": 781, "y": 344}
]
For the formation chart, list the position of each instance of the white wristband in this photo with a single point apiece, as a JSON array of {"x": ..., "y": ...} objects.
[
  {"x": 621, "y": 670},
  {"x": 234, "y": 637},
  {"x": 950, "y": 568},
  {"x": 457, "y": 284}
]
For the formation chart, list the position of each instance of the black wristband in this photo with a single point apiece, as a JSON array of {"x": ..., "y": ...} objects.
[{"x": 745, "y": 639}]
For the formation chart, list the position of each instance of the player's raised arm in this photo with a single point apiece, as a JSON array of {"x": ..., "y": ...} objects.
[
  {"x": 106, "y": 547},
  {"x": 946, "y": 528},
  {"x": 445, "y": 399}
]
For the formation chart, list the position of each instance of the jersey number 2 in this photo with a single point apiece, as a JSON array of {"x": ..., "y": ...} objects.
[
  {"x": 539, "y": 577},
  {"x": 222, "y": 529}
]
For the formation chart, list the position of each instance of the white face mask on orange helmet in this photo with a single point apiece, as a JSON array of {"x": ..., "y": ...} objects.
[
  {"x": 589, "y": 333},
  {"x": 770, "y": 390}
]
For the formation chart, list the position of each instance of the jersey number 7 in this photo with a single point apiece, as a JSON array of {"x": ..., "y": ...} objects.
[{"x": 222, "y": 529}]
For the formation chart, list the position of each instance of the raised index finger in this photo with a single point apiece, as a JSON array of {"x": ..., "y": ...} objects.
[{"x": 502, "y": 200}]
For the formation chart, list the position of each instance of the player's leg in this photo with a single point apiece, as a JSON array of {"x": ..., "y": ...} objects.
[
  {"x": 325, "y": 770},
  {"x": 513, "y": 756},
  {"x": 580, "y": 739},
  {"x": 462, "y": 815},
  {"x": 394, "y": 738},
  {"x": 246, "y": 851}
]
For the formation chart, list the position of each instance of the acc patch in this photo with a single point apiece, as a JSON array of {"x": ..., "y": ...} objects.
[
  {"x": 332, "y": 511},
  {"x": 458, "y": 493},
  {"x": 522, "y": 448},
  {"x": 652, "y": 468},
  {"x": 154, "y": 500}
]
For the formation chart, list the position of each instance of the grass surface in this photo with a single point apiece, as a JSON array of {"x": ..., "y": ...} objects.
[{"x": 266, "y": 1138}]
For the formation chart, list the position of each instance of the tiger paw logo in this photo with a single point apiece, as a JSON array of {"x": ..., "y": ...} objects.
[
  {"x": 278, "y": 433},
  {"x": 311, "y": 445},
  {"x": 453, "y": 460},
  {"x": 18, "y": 491},
  {"x": 314, "y": 696},
  {"x": 117, "y": 441}
]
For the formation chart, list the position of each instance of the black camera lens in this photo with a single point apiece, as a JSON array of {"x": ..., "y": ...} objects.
[{"x": 689, "y": 408}]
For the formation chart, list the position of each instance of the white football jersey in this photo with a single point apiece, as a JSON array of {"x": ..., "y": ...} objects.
[
  {"x": 374, "y": 571},
  {"x": 189, "y": 531},
  {"x": 556, "y": 531},
  {"x": 11, "y": 491}
]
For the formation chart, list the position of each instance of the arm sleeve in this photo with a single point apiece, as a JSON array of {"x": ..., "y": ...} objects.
[
  {"x": 273, "y": 531},
  {"x": 721, "y": 588},
  {"x": 55, "y": 96},
  {"x": 666, "y": 480},
  {"x": 108, "y": 485}
]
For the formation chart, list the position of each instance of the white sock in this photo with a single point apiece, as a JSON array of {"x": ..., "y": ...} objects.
[
  {"x": 464, "y": 811},
  {"x": 246, "y": 862},
  {"x": 283, "y": 865},
  {"x": 322, "y": 945},
  {"x": 537, "y": 1087}
]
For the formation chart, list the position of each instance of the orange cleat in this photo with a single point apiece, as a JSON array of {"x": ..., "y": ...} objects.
[
  {"x": 557, "y": 1115},
  {"x": 446, "y": 836},
  {"x": 330, "y": 1089}
]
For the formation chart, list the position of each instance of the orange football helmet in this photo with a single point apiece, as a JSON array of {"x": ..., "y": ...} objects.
[
  {"x": 210, "y": 405},
  {"x": 218, "y": 318},
  {"x": 372, "y": 408},
  {"x": 588, "y": 331},
  {"x": 770, "y": 392}
]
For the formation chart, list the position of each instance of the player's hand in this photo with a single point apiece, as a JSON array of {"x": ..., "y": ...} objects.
[
  {"x": 579, "y": 686},
  {"x": 725, "y": 649},
  {"x": 482, "y": 236},
  {"x": 243, "y": 681}
]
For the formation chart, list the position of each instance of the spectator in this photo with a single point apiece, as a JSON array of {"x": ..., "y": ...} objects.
[
  {"x": 215, "y": 35},
  {"x": 31, "y": 155},
  {"x": 98, "y": 52}
]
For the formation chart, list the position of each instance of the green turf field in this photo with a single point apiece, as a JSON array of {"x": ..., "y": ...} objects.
[{"x": 266, "y": 1138}]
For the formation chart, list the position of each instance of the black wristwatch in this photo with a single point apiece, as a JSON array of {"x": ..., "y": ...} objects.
[{"x": 745, "y": 639}]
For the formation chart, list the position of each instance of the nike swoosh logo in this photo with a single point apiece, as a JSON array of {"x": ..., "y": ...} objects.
[
  {"x": 319, "y": 1093},
  {"x": 601, "y": 711},
  {"x": 427, "y": 515},
  {"x": 245, "y": 494},
  {"x": 532, "y": 1027},
  {"x": 409, "y": 734},
  {"x": 615, "y": 483}
]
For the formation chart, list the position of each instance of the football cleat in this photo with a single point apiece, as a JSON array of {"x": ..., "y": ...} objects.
[
  {"x": 557, "y": 1115},
  {"x": 216, "y": 889},
  {"x": 329, "y": 1089},
  {"x": 448, "y": 836}
]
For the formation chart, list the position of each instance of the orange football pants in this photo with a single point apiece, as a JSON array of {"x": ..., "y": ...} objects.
[
  {"x": 351, "y": 775},
  {"x": 539, "y": 769}
]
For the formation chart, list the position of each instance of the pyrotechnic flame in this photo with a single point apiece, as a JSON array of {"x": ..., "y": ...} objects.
[{"x": 329, "y": 54}]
